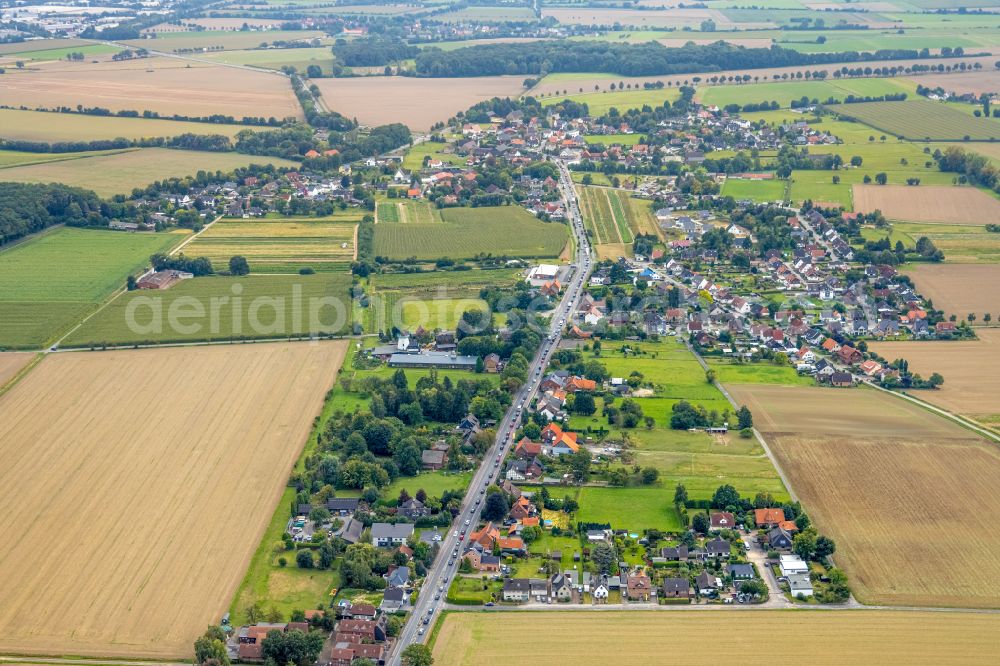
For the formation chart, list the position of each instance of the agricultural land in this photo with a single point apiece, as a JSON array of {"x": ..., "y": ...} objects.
[
  {"x": 967, "y": 389},
  {"x": 55, "y": 127},
  {"x": 417, "y": 103},
  {"x": 163, "y": 85},
  {"x": 50, "y": 281},
  {"x": 873, "y": 469},
  {"x": 938, "y": 204},
  {"x": 279, "y": 245},
  {"x": 121, "y": 172},
  {"x": 834, "y": 637},
  {"x": 959, "y": 290},
  {"x": 144, "y": 566},
  {"x": 467, "y": 232},
  {"x": 223, "y": 308}
]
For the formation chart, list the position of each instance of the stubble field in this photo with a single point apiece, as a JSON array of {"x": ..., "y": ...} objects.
[
  {"x": 833, "y": 638},
  {"x": 967, "y": 389},
  {"x": 156, "y": 517},
  {"x": 415, "y": 102},
  {"x": 55, "y": 127},
  {"x": 959, "y": 289},
  {"x": 10, "y": 364},
  {"x": 156, "y": 84},
  {"x": 943, "y": 204},
  {"x": 120, "y": 173},
  {"x": 900, "y": 491}
]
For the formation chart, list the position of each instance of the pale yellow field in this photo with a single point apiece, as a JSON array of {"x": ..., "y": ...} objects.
[
  {"x": 845, "y": 413},
  {"x": 944, "y": 204},
  {"x": 11, "y": 363},
  {"x": 832, "y": 638},
  {"x": 136, "y": 486},
  {"x": 959, "y": 289},
  {"x": 901, "y": 491},
  {"x": 279, "y": 241},
  {"x": 967, "y": 389},
  {"x": 417, "y": 103},
  {"x": 155, "y": 84}
]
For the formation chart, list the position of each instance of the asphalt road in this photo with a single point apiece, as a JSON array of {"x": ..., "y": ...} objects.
[{"x": 439, "y": 576}]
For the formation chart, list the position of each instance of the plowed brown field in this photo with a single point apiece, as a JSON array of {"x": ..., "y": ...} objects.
[{"x": 135, "y": 486}]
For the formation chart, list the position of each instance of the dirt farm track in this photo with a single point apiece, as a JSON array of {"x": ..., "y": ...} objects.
[{"x": 136, "y": 486}]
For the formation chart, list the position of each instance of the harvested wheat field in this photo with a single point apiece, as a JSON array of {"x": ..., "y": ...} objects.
[
  {"x": 976, "y": 83},
  {"x": 839, "y": 412},
  {"x": 155, "y": 84},
  {"x": 943, "y": 204},
  {"x": 136, "y": 486},
  {"x": 824, "y": 637},
  {"x": 417, "y": 103},
  {"x": 901, "y": 491},
  {"x": 555, "y": 84},
  {"x": 967, "y": 389},
  {"x": 11, "y": 364},
  {"x": 960, "y": 289}
]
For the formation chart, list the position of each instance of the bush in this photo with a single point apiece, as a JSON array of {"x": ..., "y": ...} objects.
[
  {"x": 282, "y": 562},
  {"x": 304, "y": 559}
]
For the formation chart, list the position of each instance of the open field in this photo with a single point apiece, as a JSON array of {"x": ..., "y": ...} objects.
[
  {"x": 418, "y": 103},
  {"x": 835, "y": 637},
  {"x": 154, "y": 84},
  {"x": 54, "y": 127},
  {"x": 556, "y": 83},
  {"x": 413, "y": 160},
  {"x": 223, "y": 308},
  {"x": 278, "y": 245},
  {"x": 892, "y": 484},
  {"x": 814, "y": 410},
  {"x": 961, "y": 243},
  {"x": 278, "y": 58},
  {"x": 60, "y": 52},
  {"x": 967, "y": 390},
  {"x": 977, "y": 83},
  {"x": 959, "y": 289},
  {"x": 785, "y": 93},
  {"x": 41, "y": 45},
  {"x": 599, "y": 103},
  {"x": 13, "y": 158},
  {"x": 467, "y": 232},
  {"x": 48, "y": 282},
  {"x": 926, "y": 203},
  {"x": 10, "y": 364},
  {"x": 151, "y": 555},
  {"x": 227, "y": 39},
  {"x": 408, "y": 211},
  {"x": 120, "y": 173},
  {"x": 606, "y": 213},
  {"x": 599, "y": 16},
  {"x": 922, "y": 119},
  {"x": 754, "y": 190}
]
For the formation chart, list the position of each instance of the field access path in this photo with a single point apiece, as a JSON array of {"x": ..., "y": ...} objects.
[{"x": 445, "y": 566}]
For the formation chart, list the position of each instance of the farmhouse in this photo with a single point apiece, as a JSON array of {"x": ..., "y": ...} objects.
[{"x": 162, "y": 279}]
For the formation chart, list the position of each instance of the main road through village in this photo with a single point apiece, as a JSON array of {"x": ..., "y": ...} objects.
[{"x": 446, "y": 563}]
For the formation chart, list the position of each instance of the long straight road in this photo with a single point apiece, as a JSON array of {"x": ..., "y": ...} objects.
[{"x": 446, "y": 564}]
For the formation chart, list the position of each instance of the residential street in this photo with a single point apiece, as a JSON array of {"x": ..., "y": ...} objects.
[{"x": 446, "y": 564}]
